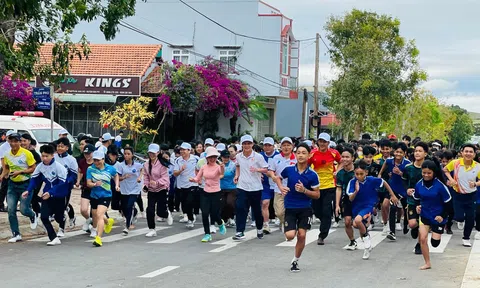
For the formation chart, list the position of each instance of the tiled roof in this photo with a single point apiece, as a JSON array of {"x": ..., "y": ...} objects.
[
  {"x": 109, "y": 59},
  {"x": 153, "y": 82}
]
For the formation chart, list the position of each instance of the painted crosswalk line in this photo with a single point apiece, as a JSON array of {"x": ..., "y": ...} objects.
[
  {"x": 471, "y": 278},
  {"x": 375, "y": 238},
  {"x": 133, "y": 233},
  {"x": 443, "y": 244},
  {"x": 179, "y": 237},
  {"x": 159, "y": 272},
  {"x": 67, "y": 235},
  {"x": 312, "y": 236},
  {"x": 230, "y": 243}
]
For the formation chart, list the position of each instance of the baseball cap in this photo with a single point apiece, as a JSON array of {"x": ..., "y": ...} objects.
[
  {"x": 209, "y": 141},
  {"x": 392, "y": 136},
  {"x": 225, "y": 153},
  {"x": 246, "y": 138},
  {"x": 286, "y": 139},
  {"x": 9, "y": 132},
  {"x": 221, "y": 147},
  {"x": 98, "y": 144},
  {"x": 239, "y": 147},
  {"x": 211, "y": 151},
  {"x": 62, "y": 132},
  {"x": 89, "y": 148},
  {"x": 15, "y": 136},
  {"x": 309, "y": 143},
  {"x": 106, "y": 137},
  {"x": 186, "y": 146},
  {"x": 436, "y": 144},
  {"x": 268, "y": 140},
  {"x": 98, "y": 155},
  {"x": 153, "y": 148},
  {"x": 324, "y": 136}
]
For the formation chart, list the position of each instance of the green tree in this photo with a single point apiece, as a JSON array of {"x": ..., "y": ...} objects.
[
  {"x": 26, "y": 24},
  {"x": 462, "y": 129},
  {"x": 377, "y": 69}
]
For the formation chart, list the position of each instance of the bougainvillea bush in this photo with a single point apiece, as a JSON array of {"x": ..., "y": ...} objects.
[{"x": 15, "y": 95}]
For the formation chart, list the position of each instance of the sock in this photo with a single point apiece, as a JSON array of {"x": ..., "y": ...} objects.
[
  {"x": 295, "y": 259},
  {"x": 352, "y": 242}
]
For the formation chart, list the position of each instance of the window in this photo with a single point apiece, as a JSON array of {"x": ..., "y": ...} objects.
[
  {"x": 229, "y": 57},
  {"x": 285, "y": 55},
  {"x": 181, "y": 56}
]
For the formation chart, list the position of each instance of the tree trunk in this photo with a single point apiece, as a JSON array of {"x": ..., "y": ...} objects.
[{"x": 359, "y": 124}]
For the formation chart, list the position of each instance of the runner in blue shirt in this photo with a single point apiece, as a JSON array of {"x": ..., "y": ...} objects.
[
  {"x": 435, "y": 205},
  {"x": 302, "y": 187},
  {"x": 362, "y": 191},
  {"x": 99, "y": 178},
  {"x": 268, "y": 154}
]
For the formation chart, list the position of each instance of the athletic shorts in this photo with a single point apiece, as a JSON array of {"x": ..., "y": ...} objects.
[
  {"x": 267, "y": 194},
  {"x": 382, "y": 195},
  {"x": 347, "y": 206},
  {"x": 434, "y": 225},
  {"x": 86, "y": 193},
  {"x": 100, "y": 201},
  {"x": 298, "y": 218},
  {"x": 361, "y": 211},
  {"x": 412, "y": 212}
]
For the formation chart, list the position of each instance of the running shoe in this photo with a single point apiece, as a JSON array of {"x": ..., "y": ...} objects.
[
  {"x": 477, "y": 236},
  {"x": 34, "y": 221},
  {"x": 54, "y": 242},
  {"x": 207, "y": 238},
  {"x": 160, "y": 219},
  {"x": 391, "y": 236},
  {"x": 385, "y": 229},
  {"x": 418, "y": 249},
  {"x": 366, "y": 253},
  {"x": 232, "y": 222},
  {"x": 320, "y": 241},
  {"x": 398, "y": 227},
  {"x": 72, "y": 222},
  {"x": 60, "y": 233},
  {"x": 352, "y": 246},
  {"x": 466, "y": 243},
  {"x": 277, "y": 222},
  {"x": 109, "y": 225},
  {"x": 184, "y": 219},
  {"x": 125, "y": 232},
  {"x": 144, "y": 214},
  {"x": 253, "y": 224},
  {"x": 15, "y": 239},
  {"x": 151, "y": 233},
  {"x": 222, "y": 229},
  {"x": 93, "y": 232},
  {"x": 86, "y": 224},
  {"x": 335, "y": 224},
  {"x": 190, "y": 224},
  {"x": 170, "y": 219},
  {"x": 239, "y": 236},
  {"x": 260, "y": 234},
  {"x": 266, "y": 228},
  {"x": 294, "y": 268},
  {"x": 213, "y": 229},
  {"x": 367, "y": 242},
  {"x": 97, "y": 242},
  {"x": 460, "y": 225}
]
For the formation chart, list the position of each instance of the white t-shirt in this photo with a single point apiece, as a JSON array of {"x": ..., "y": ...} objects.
[
  {"x": 183, "y": 180},
  {"x": 4, "y": 148},
  {"x": 277, "y": 165},
  {"x": 250, "y": 181}
]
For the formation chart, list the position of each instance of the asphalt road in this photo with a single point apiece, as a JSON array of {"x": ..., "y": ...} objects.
[{"x": 178, "y": 259}]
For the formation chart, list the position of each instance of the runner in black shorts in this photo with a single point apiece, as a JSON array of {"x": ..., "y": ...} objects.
[
  {"x": 83, "y": 165},
  {"x": 302, "y": 186}
]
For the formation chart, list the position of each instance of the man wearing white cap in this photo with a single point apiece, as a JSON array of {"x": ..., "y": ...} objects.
[
  {"x": 63, "y": 133},
  {"x": 106, "y": 141},
  {"x": 220, "y": 147},
  {"x": 208, "y": 143},
  {"x": 323, "y": 161},
  {"x": 248, "y": 177},
  {"x": 184, "y": 169},
  {"x": 267, "y": 194},
  {"x": 279, "y": 163},
  {"x": 4, "y": 148}
]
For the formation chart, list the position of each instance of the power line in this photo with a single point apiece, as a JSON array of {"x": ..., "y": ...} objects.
[{"x": 233, "y": 32}]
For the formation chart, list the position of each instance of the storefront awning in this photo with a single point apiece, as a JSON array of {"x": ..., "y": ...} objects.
[{"x": 96, "y": 98}]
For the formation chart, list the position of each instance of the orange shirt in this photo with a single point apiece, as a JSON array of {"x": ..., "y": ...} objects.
[{"x": 324, "y": 164}]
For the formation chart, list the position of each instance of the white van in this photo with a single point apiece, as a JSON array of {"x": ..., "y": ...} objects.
[{"x": 37, "y": 127}]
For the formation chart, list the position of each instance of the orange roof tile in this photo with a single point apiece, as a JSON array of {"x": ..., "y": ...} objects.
[
  {"x": 109, "y": 59},
  {"x": 153, "y": 82}
]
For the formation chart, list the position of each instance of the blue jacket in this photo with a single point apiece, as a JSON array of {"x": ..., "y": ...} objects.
[{"x": 54, "y": 176}]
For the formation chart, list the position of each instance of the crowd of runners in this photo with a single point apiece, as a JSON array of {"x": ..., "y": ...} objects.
[{"x": 405, "y": 185}]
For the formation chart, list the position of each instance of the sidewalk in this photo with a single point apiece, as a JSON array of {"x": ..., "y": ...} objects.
[{"x": 28, "y": 233}]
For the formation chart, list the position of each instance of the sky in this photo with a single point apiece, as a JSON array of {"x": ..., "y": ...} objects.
[{"x": 445, "y": 32}]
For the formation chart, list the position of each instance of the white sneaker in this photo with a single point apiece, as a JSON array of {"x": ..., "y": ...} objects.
[
  {"x": 316, "y": 220},
  {"x": 125, "y": 232},
  {"x": 169, "y": 218},
  {"x": 386, "y": 229},
  {"x": 144, "y": 214},
  {"x": 60, "y": 233},
  {"x": 34, "y": 221},
  {"x": 335, "y": 224},
  {"x": 466, "y": 243},
  {"x": 398, "y": 227},
  {"x": 86, "y": 225},
  {"x": 253, "y": 224},
  {"x": 15, "y": 239},
  {"x": 376, "y": 218},
  {"x": 477, "y": 236},
  {"x": 277, "y": 222},
  {"x": 54, "y": 242},
  {"x": 213, "y": 229},
  {"x": 231, "y": 222},
  {"x": 93, "y": 232},
  {"x": 160, "y": 219},
  {"x": 190, "y": 224},
  {"x": 367, "y": 242},
  {"x": 184, "y": 219},
  {"x": 151, "y": 233},
  {"x": 366, "y": 253},
  {"x": 71, "y": 222},
  {"x": 460, "y": 225}
]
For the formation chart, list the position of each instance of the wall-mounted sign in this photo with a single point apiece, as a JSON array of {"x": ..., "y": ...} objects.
[{"x": 92, "y": 84}]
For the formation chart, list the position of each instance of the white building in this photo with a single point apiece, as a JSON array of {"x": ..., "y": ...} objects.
[{"x": 269, "y": 64}]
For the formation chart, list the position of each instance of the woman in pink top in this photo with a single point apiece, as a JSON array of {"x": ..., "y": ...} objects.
[
  {"x": 211, "y": 197},
  {"x": 157, "y": 182}
]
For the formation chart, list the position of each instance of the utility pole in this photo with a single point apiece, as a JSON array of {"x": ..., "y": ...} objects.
[
  {"x": 315, "y": 87},
  {"x": 304, "y": 111}
]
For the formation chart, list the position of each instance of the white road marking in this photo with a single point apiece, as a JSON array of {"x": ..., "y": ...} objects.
[
  {"x": 230, "y": 243},
  {"x": 375, "y": 238},
  {"x": 159, "y": 272},
  {"x": 118, "y": 237},
  {"x": 443, "y": 244},
  {"x": 67, "y": 235},
  {"x": 179, "y": 237},
  {"x": 471, "y": 278},
  {"x": 312, "y": 236}
]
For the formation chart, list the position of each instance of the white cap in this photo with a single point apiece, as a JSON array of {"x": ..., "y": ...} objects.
[
  {"x": 98, "y": 144},
  {"x": 153, "y": 148},
  {"x": 186, "y": 146},
  {"x": 436, "y": 144},
  {"x": 209, "y": 141},
  {"x": 239, "y": 147},
  {"x": 89, "y": 135},
  {"x": 246, "y": 138},
  {"x": 324, "y": 136},
  {"x": 106, "y": 137},
  {"x": 9, "y": 132},
  {"x": 221, "y": 147},
  {"x": 332, "y": 144},
  {"x": 62, "y": 132},
  {"x": 309, "y": 143},
  {"x": 98, "y": 155},
  {"x": 268, "y": 140},
  {"x": 211, "y": 151},
  {"x": 286, "y": 139}
]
